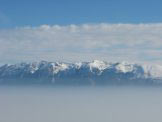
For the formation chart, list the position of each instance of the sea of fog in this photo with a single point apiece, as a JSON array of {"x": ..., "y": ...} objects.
[{"x": 80, "y": 104}]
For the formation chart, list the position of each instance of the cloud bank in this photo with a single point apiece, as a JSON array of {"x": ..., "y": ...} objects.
[{"x": 110, "y": 42}]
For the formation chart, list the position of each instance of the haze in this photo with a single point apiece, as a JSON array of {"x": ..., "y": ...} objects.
[{"x": 80, "y": 104}]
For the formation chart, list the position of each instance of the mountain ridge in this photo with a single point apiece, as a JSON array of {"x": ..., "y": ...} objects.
[{"x": 80, "y": 73}]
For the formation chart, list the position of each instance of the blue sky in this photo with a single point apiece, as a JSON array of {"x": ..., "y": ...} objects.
[
  {"x": 81, "y": 30},
  {"x": 15, "y": 13}
]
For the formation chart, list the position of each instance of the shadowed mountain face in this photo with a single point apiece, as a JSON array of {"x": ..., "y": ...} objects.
[{"x": 83, "y": 73}]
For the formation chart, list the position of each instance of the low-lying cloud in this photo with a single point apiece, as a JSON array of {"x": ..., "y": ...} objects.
[{"x": 111, "y": 42}]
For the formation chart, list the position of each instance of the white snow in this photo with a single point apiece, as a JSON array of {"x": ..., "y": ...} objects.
[
  {"x": 150, "y": 71},
  {"x": 154, "y": 71},
  {"x": 33, "y": 67},
  {"x": 57, "y": 67},
  {"x": 125, "y": 67},
  {"x": 101, "y": 65},
  {"x": 78, "y": 65}
]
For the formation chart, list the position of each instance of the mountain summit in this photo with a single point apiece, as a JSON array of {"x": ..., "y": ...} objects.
[{"x": 81, "y": 73}]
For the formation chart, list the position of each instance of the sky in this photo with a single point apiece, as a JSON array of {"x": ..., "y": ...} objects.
[
  {"x": 80, "y": 30},
  {"x": 15, "y": 13}
]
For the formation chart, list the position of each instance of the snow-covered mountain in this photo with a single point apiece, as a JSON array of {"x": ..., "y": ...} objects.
[{"x": 82, "y": 73}]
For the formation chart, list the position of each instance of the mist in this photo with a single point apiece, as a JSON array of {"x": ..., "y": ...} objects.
[{"x": 80, "y": 104}]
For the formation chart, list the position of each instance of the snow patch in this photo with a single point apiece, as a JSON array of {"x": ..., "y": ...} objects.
[{"x": 125, "y": 67}]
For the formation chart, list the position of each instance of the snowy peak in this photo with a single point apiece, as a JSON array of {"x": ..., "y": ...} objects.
[
  {"x": 81, "y": 71},
  {"x": 57, "y": 67},
  {"x": 154, "y": 71},
  {"x": 100, "y": 65},
  {"x": 125, "y": 67}
]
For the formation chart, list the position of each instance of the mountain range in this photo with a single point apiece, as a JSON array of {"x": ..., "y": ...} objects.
[{"x": 81, "y": 73}]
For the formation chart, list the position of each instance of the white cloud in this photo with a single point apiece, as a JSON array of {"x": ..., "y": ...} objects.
[{"x": 111, "y": 42}]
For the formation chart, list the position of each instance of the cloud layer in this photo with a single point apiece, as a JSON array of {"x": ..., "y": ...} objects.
[{"x": 111, "y": 42}]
